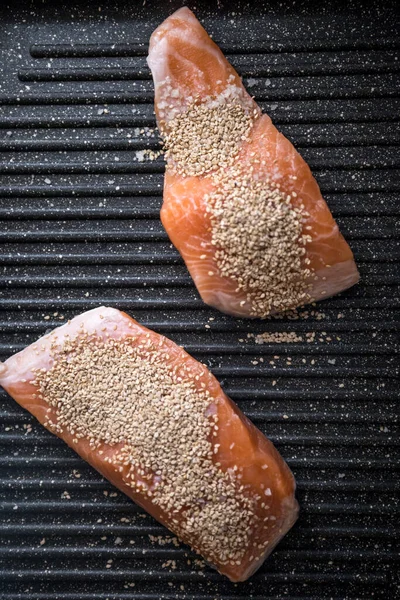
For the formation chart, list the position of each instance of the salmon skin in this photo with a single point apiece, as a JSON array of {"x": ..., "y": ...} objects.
[
  {"x": 240, "y": 204},
  {"x": 156, "y": 423}
]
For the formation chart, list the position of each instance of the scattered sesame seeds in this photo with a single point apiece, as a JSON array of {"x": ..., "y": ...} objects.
[
  {"x": 124, "y": 394},
  {"x": 171, "y": 564},
  {"x": 277, "y": 337},
  {"x": 147, "y": 154},
  {"x": 288, "y": 337},
  {"x": 164, "y": 540},
  {"x": 199, "y": 563}
]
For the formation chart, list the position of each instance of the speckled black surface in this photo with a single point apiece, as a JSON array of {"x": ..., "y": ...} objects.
[{"x": 79, "y": 228}]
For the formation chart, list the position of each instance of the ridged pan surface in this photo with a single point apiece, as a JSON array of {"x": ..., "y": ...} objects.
[{"x": 79, "y": 209}]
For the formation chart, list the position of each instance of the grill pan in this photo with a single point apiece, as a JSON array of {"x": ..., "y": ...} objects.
[{"x": 80, "y": 228}]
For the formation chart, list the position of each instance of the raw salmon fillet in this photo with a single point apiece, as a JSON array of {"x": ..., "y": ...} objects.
[
  {"x": 156, "y": 423},
  {"x": 271, "y": 246}
]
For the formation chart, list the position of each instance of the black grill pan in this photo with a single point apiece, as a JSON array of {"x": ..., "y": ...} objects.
[{"x": 80, "y": 227}]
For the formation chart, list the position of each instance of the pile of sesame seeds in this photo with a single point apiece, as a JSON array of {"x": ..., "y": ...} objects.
[
  {"x": 256, "y": 230},
  {"x": 204, "y": 139},
  {"x": 258, "y": 239},
  {"x": 117, "y": 393},
  {"x": 277, "y": 337}
]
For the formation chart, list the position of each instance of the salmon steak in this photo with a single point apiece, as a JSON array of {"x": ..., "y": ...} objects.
[
  {"x": 240, "y": 203},
  {"x": 156, "y": 423}
]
